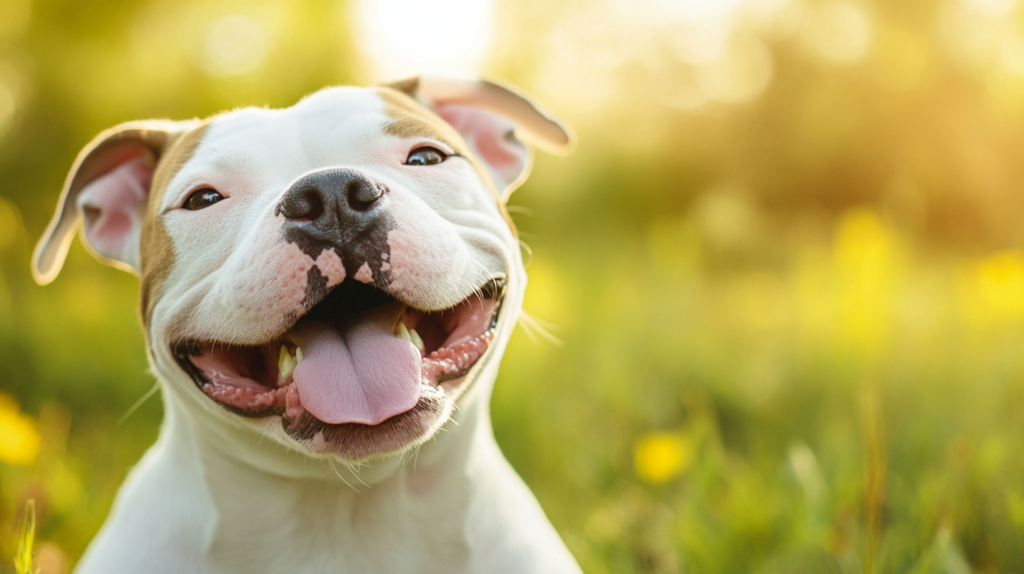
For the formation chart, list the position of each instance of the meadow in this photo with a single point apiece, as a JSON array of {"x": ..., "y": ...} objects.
[{"x": 775, "y": 320}]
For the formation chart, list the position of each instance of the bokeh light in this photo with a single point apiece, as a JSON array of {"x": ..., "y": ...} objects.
[
  {"x": 21, "y": 436},
  {"x": 235, "y": 45},
  {"x": 837, "y": 31},
  {"x": 403, "y": 38}
]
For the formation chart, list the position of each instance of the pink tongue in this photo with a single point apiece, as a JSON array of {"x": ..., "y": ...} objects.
[{"x": 359, "y": 372}]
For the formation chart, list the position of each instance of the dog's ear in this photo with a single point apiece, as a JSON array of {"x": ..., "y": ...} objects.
[
  {"x": 492, "y": 118},
  {"x": 108, "y": 186}
]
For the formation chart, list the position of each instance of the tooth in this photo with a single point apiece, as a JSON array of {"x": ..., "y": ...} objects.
[
  {"x": 298, "y": 355},
  {"x": 402, "y": 331},
  {"x": 416, "y": 340},
  {"x": 286, "y": 363}
]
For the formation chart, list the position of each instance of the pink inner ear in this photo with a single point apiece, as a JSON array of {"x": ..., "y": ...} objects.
[
  {"x": 112, "y": 206},
  {"x": 492, "y": 138}
]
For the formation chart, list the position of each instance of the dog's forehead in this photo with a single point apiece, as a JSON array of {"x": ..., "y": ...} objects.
[
  {"x": 339, "y": 124},
  {"x": 327, "y": 118}
]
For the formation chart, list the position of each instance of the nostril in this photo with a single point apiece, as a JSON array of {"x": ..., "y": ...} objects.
[
  {"x": 362, "y": 194},
  {"x": 307, "y": 205}
]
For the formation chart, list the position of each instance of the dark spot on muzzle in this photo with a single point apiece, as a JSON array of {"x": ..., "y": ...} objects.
[
  {"x": 316, "y": 286},
  {"x": 341, "y": 208}
]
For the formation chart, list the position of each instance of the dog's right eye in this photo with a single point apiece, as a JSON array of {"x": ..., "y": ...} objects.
[{"x": 202, "y": 198}]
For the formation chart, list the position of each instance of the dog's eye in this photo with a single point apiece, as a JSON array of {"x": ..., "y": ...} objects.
[
  {"x": 425, "y": 156},
  {"x": 202, "y": 198}
]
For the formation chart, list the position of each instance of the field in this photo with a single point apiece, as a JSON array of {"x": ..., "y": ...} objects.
[{"x": 775, "y": 315}]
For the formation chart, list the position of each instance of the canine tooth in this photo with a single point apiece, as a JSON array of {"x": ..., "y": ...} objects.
[
  {"x": 286, "y": 363},
  {"x": 416, "y": 340},
  {"x": 298, "y": 355},
  {"x": 402, "y": 331}
]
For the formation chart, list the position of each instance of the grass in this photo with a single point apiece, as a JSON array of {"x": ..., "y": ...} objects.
[{"x": 24, "y": 562}]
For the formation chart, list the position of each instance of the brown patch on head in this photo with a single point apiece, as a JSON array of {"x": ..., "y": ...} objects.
[
  {"x": 156, "y": 250},
  {"x": 409, "y": 119},
  {"x": 408, "y": 86}
]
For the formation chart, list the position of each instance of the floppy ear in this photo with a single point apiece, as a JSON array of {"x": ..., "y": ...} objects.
[
  {"x": 492, "y": 118},
  {"x": 108, "y": 185}
]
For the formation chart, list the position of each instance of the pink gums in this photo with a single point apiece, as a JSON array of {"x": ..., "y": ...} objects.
[{"x": 451, "y": 362}]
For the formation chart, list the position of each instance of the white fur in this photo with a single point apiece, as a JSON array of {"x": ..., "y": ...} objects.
[{"x": 221, "y": 493}]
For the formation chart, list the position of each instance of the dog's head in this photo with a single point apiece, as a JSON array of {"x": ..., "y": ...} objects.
[{"x": 331, "y": 275}]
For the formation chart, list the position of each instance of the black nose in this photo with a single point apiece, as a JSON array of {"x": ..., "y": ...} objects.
[
  {"x": 341, "y": 208},
  {"x": 326, "y": 193}
]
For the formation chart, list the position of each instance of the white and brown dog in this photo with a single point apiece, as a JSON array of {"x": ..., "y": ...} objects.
[{"x": 322, "y": 286}]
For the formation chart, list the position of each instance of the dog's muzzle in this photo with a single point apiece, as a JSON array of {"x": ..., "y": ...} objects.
[
  {"x": 355, "y": 355},
  {"x": 344, "y": 209}
]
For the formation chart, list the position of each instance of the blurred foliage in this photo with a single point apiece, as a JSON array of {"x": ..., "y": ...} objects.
[
  {"x": 23, "y": 561},
  {"x": 785, "y": 266}
]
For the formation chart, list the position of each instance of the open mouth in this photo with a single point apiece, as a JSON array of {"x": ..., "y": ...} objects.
[{"x": 359, "y": 357}]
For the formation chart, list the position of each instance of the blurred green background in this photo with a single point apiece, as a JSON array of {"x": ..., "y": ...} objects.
[{"x": 784, "y": 266}]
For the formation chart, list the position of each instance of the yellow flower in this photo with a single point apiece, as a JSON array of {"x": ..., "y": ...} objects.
[
  {"x": 660, "y": 456},
  {"x": 19, "y": 437},
  {"x": 866, "y": 260},
  {"x": 1001, "y": 283}
]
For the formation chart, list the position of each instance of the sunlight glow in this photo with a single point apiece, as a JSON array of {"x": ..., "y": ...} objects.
[
  {"x": 701, "y": 44},
  {"x": 740, "y": 74},
  {"x": 235, "y": 45},
  {"x": 1011, "y": 54},
  {"x": 838, "y": 32},
  {"x": 718, "y": 50},
  {"x": 401, "y": 38},
  {"x": 994, "y": 7},
  {"x": 696, "y": 10}
]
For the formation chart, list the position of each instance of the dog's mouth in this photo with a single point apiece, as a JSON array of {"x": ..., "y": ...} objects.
[{"x": 359, "y": 357}]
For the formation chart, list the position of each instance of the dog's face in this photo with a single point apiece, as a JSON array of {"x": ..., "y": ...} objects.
[{"x": 331, "y": 274}]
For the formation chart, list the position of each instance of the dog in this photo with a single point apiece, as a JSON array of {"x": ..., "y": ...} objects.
[{"x": 326, "y": 293}]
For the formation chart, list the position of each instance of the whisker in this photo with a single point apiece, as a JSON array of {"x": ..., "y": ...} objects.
[
  {"x": 135, "y": 406},
  {"x": 534, "y": 326},
  {"x": 519, "y": 209},
  {"x": 338, "y": 474}
]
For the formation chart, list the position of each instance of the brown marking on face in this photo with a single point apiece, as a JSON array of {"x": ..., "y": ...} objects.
[
  {"x": 156, "y": 248},
  {"x": 410, "y": 118},
  {"x": 407, "y": 86}
]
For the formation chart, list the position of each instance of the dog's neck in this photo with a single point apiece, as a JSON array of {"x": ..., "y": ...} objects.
[{"x": 258, "y": 494}]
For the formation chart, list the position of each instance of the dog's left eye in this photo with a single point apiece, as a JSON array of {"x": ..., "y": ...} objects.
[
  {"x": 425, "y": 156},
  {"x": 202, "y": 198}
]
